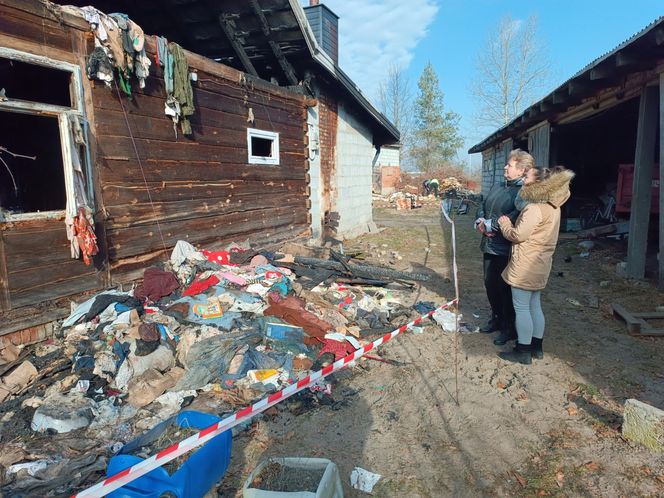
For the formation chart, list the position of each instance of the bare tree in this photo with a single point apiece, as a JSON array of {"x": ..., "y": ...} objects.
[
  {"x": 511, "y": 72},
  {"x": 395, "y": 99}
]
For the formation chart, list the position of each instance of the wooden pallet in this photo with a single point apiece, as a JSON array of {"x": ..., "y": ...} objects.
[{"x": 636, "y": 322}]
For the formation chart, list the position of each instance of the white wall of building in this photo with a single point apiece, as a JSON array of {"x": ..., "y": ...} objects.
[
  {"x": 354, "y": 157},
  {"x": 314, "y": 173},
  {"x": 389, "y": 156}
]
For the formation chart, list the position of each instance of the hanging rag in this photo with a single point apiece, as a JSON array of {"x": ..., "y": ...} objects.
[
  {"x": 99, "y": 66},
  {"x": 182, "y": 91},
  {"x": 78, "y": 220}
]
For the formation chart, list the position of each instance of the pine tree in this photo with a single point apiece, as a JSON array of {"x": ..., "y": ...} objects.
[{"x": 436, "y": 136}]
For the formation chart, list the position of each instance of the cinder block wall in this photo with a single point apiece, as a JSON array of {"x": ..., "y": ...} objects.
[{"x": 355, "y": 153}]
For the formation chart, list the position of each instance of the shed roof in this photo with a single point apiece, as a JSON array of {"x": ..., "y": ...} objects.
[
  {"x": 640, "y": 52},
  {"x": 270, "y": 39}
]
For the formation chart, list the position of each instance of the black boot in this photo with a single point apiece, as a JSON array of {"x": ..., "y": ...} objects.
[
  {"x": 520, "y": 354},
  {"x": 506, "y": 335},
  {"x": 491, "y": 326},
  {"x": 538, "y": 353}
]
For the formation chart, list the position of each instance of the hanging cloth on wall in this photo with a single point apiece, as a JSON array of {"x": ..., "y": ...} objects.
[
  {"x": 182, "y": 91},
  {"x": 78, "y": 220}
]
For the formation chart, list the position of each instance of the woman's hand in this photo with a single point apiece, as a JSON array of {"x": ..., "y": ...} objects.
[{"x": 504, "y": 222}]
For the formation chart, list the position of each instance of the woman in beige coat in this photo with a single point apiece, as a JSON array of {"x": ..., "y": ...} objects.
[{"x": 534, "y": 237}]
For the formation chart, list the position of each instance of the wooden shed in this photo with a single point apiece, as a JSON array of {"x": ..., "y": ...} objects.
[{"x": 604, "y": 121}]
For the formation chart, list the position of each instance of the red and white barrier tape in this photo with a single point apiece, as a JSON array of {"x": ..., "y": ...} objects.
[{"x": 134, "y": 472}]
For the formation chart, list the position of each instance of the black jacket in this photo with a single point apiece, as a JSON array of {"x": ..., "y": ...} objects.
[{"x": 499, "y": 201}]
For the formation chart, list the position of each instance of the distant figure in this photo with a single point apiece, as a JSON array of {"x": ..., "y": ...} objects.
[
  {"x": 434, "y": 185},
  {"x": 425, "y": 188},
  {"x": 534, "y": 237}
]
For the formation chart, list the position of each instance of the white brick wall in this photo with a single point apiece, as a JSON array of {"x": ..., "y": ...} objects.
[
  {"x": 314, "y": 173},
  {"x": 389, "y": 156},
  {"x": 355, "y": 153}
]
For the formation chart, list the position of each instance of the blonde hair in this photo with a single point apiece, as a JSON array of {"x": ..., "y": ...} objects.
[{"x": 523, "y": 160}]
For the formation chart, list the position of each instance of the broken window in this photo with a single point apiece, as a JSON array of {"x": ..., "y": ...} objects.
[
  {"x": 24, "y": 81},
  {"x": 263, "y": 146},
  {"x": 44, "y": 164},
  {"x": 32, "y": 175}
]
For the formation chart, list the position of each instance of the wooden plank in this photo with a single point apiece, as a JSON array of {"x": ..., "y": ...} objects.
[
  {"x": 112, "y": 123},
  {"x": 288, "y": 126},
  {"x": 129, "y": 242},
  {"x": 26, "y": 250},
  {"x": 47, "y": 276},
  {"x": 126, "y": 170},
  {"x": 50, "y": 291},
  {"x": 33, "y": 28},
  {"x": 661, "y": 183},
  {"x": 118, "y": 194},
  {"x": 146, "y": 214},
  {"x": 163, "y": 150},
  {"x": 652, "y": 315},
  {"x": 4, "y": 286},
  {"x": 642, "y": 186},
  {"x": 634, "y": 325}
]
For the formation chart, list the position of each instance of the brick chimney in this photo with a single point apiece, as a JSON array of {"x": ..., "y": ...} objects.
[{"x": 325, "y": 25}]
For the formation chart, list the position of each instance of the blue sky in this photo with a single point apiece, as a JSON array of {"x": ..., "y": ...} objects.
[{"x": 450, "y": 33}]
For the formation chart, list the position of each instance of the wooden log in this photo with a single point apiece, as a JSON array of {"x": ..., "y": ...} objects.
[
  {"x": 20, "y": 24},
  {"x": 128, "y": 170},
  {"x": 146, "y": 214},
  {"x": 54, "y": 290},
  {"x": 129, "y": 242},
  {"x": 229, "y": 192}
]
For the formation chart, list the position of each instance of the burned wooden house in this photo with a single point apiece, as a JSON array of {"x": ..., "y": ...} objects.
[
  {"x": 603, "y": 123},
  {"x": 271, "y": 140}
]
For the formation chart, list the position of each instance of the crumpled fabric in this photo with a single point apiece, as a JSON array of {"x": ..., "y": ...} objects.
[
  {"x": 292, "y": 310},
  {"x": 103, "y": 301},
  {"x": 182, "y": 90},
  {"x": 184, "y": 251},
  {"x": 219, "y": 257},
  {"x": 209, "y": 359},
  {"x": 200, "y": 286},
  {"x": 156, "y": 284},
  {"x": 99, "y": 66},
  {"x": 84, "y": 235}
]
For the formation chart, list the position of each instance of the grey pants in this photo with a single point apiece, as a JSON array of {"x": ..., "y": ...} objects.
[{"x": 529, "y": 316}]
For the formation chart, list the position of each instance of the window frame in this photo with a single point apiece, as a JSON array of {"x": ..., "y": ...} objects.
[
  {"x": 61, "y": 113},
  {"x": 274, "y": 159}
]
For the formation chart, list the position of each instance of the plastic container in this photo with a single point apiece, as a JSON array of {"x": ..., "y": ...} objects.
[
  {"x": 328, "y": 487},
  {"x": 202, "y": 470}
]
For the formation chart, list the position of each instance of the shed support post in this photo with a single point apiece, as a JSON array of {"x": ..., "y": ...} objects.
[
  {"x": 642, "y": 187},
  {"x": 661, "y": 185}
]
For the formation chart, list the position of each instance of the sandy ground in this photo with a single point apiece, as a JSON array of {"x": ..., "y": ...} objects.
[{"x": 455, "y": 420}]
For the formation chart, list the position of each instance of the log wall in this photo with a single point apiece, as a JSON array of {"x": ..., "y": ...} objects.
[{"x": 154, "y": 188}]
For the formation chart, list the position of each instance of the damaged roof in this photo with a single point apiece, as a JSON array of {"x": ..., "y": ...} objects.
[
  {"x": 270, "y": 39},
  {"x": 640, "y": 52}
]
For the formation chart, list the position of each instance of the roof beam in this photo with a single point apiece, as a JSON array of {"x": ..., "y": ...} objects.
[
  {"x": 228, "y": 27},
  {"x": 559, "y": 98},
  {"x": 267, "y": 31},
  {"x": 624, "y": 59},
  {"x": 659, "y": 36},
  {"x": 575, "y": 88},
  {"x": 601, "y": 72}
]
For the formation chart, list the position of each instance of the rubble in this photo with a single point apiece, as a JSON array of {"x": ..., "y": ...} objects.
[{"x": 223, "y": 326}]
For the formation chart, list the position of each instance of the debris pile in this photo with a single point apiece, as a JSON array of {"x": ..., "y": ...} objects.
[{"x": 208, "y": 330}]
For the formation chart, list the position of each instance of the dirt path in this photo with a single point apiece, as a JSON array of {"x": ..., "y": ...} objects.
[{"x": 551, "y": 429}]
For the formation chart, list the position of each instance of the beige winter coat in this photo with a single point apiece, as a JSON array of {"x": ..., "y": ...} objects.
[{"x": 535, "y": 234}]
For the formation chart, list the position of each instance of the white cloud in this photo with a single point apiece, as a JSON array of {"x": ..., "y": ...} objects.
[{"x": 374, "y": 34}]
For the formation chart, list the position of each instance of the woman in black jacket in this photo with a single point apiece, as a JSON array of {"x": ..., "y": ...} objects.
[{"x": 501, "y": 201}]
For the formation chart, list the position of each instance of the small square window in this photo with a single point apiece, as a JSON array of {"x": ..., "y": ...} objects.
[{"x": 263, "y": 147}]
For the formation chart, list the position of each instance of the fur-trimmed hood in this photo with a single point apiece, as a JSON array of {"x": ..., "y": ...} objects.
[{"x": 553, "y": 190}]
